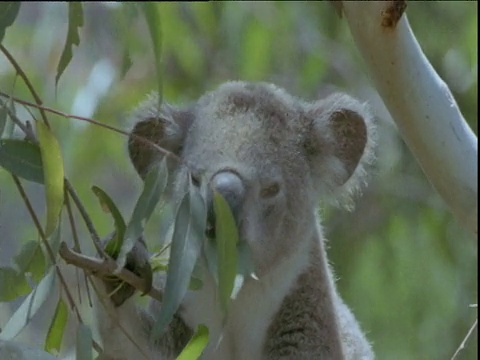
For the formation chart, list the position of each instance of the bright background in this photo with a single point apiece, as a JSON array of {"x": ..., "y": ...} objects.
[{"x": 405, "y": 266}]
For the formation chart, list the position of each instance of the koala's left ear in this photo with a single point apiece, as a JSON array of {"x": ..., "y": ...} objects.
[{"x": 339, "y": 142}]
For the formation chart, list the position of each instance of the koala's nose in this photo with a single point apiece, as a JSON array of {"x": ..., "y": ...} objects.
[{"x": 231, "y": 187}]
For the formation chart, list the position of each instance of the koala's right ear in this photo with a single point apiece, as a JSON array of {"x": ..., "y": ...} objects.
[{"x": 165, "y": 126}]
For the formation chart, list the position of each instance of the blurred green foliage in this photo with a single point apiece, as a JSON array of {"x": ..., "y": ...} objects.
[{"x": 405, "y": 266}]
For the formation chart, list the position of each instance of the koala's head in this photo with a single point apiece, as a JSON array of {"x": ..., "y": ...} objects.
[{"x": 270, "y": 155}]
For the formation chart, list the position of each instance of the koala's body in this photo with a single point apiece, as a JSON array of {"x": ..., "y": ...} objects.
[{"x": 273, "y": 157}]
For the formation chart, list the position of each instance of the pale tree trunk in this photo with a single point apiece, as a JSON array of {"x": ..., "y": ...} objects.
[{"x": 420, "y": 103}]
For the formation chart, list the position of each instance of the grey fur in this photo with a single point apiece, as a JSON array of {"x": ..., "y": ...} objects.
[{"x": 287, "y": 153}]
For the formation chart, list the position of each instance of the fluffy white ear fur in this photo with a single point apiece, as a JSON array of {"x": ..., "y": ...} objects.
[{"x": 340, "y": 144}]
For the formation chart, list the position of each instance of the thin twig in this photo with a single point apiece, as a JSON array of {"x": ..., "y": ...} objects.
[
  {"x": 86, "y": 219},
  {"x": 464, "y": 342},
  {"x": 92, "y": 121},
  {"x": 107, "y": 267},
  {"x": 76, "y": 243},
  {"x": 26, "y": 129},
  {"x": 114, "y": 318},
  {"x": 50, "y": 252},
  {"x": 24, "y": 76}
]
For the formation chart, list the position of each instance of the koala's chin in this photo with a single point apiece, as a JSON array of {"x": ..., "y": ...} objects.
[{"x": 273, "y": 157}]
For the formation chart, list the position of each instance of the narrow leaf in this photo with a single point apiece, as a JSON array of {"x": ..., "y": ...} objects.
[
  {"x": 227, "y": 239},
  {"x": 3, "y": 115},
  {"x": 154, "y": 186},
  {"x": 12, "y": 284},
  {"x": 196, "y": 345},
  {"x": 75, "y": 21},
  {"x": 31, "y": 260},
  {"x": 8, "y": 13},
  {"x": 188, "y": 235},
  {"x": 151, "y": 11},
  {"x": 53, "y": 341},
  {"x": 115, "y": 244},
  {"x": 27, "y": 310},
  {"x": 22, "y": 158},
  {"x": 53, "y": 175},
  {"x": 83, "y": 348}
]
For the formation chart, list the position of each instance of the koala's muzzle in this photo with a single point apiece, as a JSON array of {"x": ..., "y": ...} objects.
[{"x": 230, "y": 186}]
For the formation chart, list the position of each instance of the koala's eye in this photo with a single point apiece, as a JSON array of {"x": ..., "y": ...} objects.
[{"x": 270, "y": 191}]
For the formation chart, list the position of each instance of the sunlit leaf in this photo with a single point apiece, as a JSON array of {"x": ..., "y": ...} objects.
[
  {"x": 115, "y": 243},
  {"x": 196, "y": 345},
  {"x": 8, "y": 13},
  {"x": 226, "y": 236},
  {"x": 151, "y": 11},
  {"x": 22, "y": 158},
  {"x": 31, "y": 260},
  {"x": 53, "y": 175},
  {"x": 12, "y": 284},
  {"x": 188, "y": 235},
  {"x": 154, "y": 186},
  {"x": 29, "y": 307},
  {"x": 75, "y": 21},
  {"x": 53, "y": 341},
  {"x": 83, "y": 348}
]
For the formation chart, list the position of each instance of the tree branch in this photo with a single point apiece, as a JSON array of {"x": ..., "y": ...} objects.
[
  {"x": 420, "y": 102},
  {"x": 107, "y": 267}
]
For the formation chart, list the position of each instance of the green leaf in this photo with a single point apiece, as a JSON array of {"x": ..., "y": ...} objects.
[
  {"x": 196, "y": 345},
  {"x": 115, "y": 243},
  {"x": 12, "y": 284},
  {"x": 188, "y": 235},
  {"x": 226, "y": 236},
  {"x": 151, "y": 11},
  {"x": 83, "y": 348},
  {"x": 53, "y": 175},
  {"x": 22, "y": 158},
  {"x": 31, "y": 260},
  {"x": 27, "y": 310},
  {"x": 3, "y": 115},
  {"x": 154, "y": 186},
  {"x": 8, "y": 13},
  {"x": 53, "y": 341},
  {"x": 75, "y": 21}
]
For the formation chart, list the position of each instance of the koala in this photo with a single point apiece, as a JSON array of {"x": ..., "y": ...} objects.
[{"x": 272, "y": 156}]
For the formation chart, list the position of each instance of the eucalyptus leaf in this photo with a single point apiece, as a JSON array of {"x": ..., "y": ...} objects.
[
  {"x": 114, "y": 245},
  {"x": 188, "y": 235},
  {"x": 53, "y": 175},
  {"x": 31, "y": 260},
  {"x": 8, "y": 13},
  {"x": 29, "y": 307},
  {"x": 151, "y": 11},
  {"x": 53, "y": 341},
  {"x": 226, "y": 237},
  {"x": 83, "y": 348},
  {"x": 194, "y": 348},
  {"x": 154, "y": 186},
  {"x": 12, "y": 284},
  {"x": 3, "y": 116},
  {"x": 75, "y": 21},
  {"x": 22, "y": 158}
]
